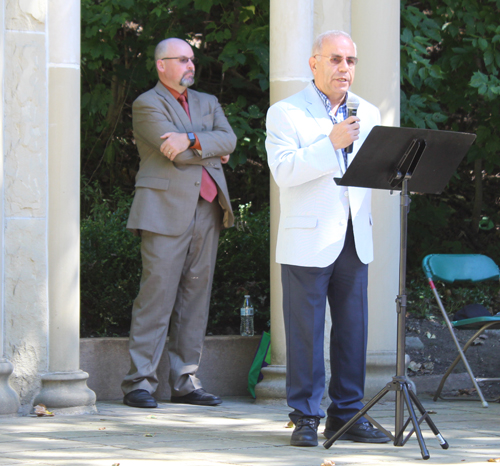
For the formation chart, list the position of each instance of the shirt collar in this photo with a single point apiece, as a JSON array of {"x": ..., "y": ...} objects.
[
  {"x": 175, "y": 93},
  {"x": 342, "y": 110}
]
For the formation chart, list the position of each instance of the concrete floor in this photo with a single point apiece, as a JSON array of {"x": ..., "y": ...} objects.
[{"x": 237, "y": 432}]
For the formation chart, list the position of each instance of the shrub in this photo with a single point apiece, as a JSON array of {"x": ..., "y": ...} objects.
[
  {"x": 242, "y": 268},
  {"x": 423, "y": 305},
  {"x": 111, "y": 267}
]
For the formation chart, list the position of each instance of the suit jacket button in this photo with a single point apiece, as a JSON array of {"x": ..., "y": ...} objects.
[
  {"x": 197, "y": 183},
  {"x": 346, "y": 193}
]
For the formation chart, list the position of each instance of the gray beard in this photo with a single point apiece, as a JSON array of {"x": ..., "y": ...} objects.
[{"x": 187, "y": 81}]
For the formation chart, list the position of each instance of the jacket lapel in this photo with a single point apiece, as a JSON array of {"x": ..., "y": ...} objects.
[
  {"x": 194, "y": 110},
  {"x": 317, "y": 110},
  {"x": 176, "y": 107}
]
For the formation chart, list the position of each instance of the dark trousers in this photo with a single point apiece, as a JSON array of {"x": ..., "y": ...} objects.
[{"x": 305, "y": 290}]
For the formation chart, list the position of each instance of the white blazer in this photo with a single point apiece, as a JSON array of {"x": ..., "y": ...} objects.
[{"x": 303, "y": 162}]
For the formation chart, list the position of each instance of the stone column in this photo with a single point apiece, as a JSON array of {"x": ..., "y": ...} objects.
[
  {"x": 375, "y": 29},
  {"x": 64, "y": 387},
  {"x": 291, "y": 36},
  {"x": 25, "y": 195},
  {"x": 329, "y": 15},
  {"x": 9, "y": 400}
]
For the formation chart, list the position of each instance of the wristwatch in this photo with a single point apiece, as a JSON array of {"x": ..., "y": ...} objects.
[{"x": 192, "y": 139}]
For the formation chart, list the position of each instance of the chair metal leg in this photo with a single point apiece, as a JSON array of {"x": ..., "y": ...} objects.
[
  {"x": 460, "y": 352},
  {"x": 474, "y": 379}
]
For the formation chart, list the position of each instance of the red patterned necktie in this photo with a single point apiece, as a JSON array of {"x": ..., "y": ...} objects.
[{"x": 208, "y": 189}]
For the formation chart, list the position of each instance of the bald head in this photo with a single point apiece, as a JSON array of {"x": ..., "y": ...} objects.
[
  {"x": 175, "y": 63},
  {"x": 164, "y": 47}
]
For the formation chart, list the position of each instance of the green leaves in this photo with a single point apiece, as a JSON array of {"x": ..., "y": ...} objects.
[
  {"x": 231, "y": 40},
  {"x": 454, "y": 85},
  {"x": 242, "y": 268},
  {"x": 248, "y": 125},
  {"x": 487, "y": 86}
]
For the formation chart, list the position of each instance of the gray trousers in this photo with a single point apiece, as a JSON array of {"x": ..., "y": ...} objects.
[{"x": 174, "y": 293}]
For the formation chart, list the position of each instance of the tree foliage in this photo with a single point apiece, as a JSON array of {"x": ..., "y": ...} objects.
[
  {"x": 231, "y": 41},
  {"x": 450, "y": 61},
  {"x": 111, "y": 268}
]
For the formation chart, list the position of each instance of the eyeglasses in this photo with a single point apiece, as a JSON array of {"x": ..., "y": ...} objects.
[
  {"x": 182, "y": 60},
  {"x": 337, "y": 60}
]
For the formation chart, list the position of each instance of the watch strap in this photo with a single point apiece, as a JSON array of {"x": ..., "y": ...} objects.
[{"x": 192, "y": 139}]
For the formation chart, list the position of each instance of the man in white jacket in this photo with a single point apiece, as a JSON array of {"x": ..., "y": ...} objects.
[{"x": 324, "y": 242}]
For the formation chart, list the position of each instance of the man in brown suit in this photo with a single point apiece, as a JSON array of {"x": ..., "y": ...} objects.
[{"x": 180, "y": 205}]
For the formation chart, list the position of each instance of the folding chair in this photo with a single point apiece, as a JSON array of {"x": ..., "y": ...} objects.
[{"x": 472, "y": 268}]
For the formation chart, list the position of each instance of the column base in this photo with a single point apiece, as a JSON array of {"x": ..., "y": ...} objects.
[
  {"x": 272, "y": 389},
  {"x": 66, "y": 393},
  {"x": 10, "y": 400},
  {"x": 380, "y": 369}
]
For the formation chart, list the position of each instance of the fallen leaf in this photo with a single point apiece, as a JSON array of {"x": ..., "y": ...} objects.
[
  {"x": 466, "y": 391},
  {"x": 148, "y": 435},
  {"x": 328, "y": 463},
  {"x": 116, "y": 464},
  {"x": 289, "y": 425},
  {"x": 414, "y": 366},
  {"x": 151, "y": 416},
  {"x": 430, "y": 335},
  {"x": 431, "y": 411},
  {"x": 494, "y": 460},
  {"x": 429, "y": 365},
  {"x": 102, "y": 428},
  {"x": 41, "y": 410}
]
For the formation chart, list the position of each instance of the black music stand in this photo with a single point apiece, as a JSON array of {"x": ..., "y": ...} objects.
[{"x": 404, "y": 159}]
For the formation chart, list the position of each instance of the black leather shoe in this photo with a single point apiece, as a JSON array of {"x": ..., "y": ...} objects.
[
  {"x": 197, "y": 397},
  {"x": 140, "y": 399},
  {"x": 305, "y": 433},
  {"x": 363, "y": 432}
]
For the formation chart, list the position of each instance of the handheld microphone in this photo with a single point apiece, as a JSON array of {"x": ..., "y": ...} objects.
[{"x": 352, "y": 110}]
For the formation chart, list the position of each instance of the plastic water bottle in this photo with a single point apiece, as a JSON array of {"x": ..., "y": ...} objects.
[{"x": 246, "y": 326}]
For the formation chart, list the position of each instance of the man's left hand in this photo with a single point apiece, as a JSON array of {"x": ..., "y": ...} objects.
[
  {"x": 174, "y": 144},
  {"x": 224, "y": 158}
]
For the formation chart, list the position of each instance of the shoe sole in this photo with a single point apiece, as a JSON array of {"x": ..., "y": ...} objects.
[
  {"x": 140, "y": 405},
  {"x": 355, "y": 438},
  {"x": 197, "y": 403},
  {"x": 303, "y": 444}
]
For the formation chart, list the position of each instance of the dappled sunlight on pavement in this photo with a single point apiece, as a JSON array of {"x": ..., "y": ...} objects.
[{"x": 238, "y": 432}]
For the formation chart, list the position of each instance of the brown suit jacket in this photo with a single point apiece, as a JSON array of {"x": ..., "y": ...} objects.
[{"x": 167, "y": 192}]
